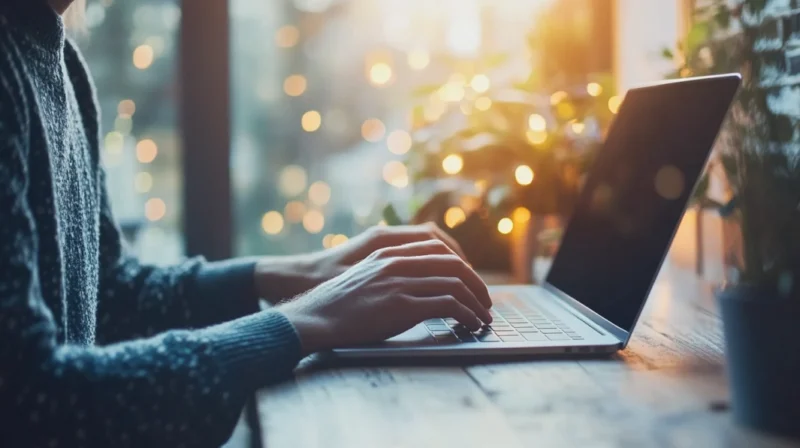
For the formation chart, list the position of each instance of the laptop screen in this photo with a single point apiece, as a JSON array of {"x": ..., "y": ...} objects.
[{"x": 636, "y": 193}]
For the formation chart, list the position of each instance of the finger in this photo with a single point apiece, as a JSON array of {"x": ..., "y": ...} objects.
[
  {"x": 446, "y": 286},
  {"x": 447, "y": 239},
  {"x": 399, "y": 235},
  {"x": 427, "y": 247},
  {"x": 448, "y": 307},
  {"x": 443, "y": 266}
]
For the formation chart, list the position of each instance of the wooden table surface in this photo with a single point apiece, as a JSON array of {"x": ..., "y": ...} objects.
[{"x": 667, "y": 389}]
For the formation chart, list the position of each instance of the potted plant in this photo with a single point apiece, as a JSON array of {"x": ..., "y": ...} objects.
[
  {"x": 758, "y": 157},
  {"x": 499, "y": 164}
]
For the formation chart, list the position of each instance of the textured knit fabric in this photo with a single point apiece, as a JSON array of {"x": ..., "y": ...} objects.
[{"x": 95, "y": 348}]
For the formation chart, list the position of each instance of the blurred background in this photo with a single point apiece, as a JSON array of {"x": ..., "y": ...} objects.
[{"x": 340, "y": 107}]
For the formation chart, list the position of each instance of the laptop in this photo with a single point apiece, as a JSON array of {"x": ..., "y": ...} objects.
[{"x": 614, "y": 244}]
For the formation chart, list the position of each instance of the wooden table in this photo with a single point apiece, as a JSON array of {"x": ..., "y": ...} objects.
[{"x": 667, "y": 389}]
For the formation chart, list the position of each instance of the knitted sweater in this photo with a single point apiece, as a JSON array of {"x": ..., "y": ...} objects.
[{"x": 97, "y": 349}]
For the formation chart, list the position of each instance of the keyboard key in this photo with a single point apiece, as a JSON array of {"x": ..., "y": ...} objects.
[
  {"x": 500, "y": 326},
  {"x": 438, "y": 327},
  {"x": 577, "y": 338},
  {"x": 512, "y": 338},
  {"x": 488, "y": 337},
  {"x": 522, "y": 325},
  {"x": 446, "y": 339},
  {"x": 534, "y": 337},
  {"x": 527, "y": 330},
  {"x": 440, "y": 332},
  {"x": 466, "y": 337},
  {"x": 450, "y": 321},
  {"x": 545, "y": 326},
  {"x": 558, "y": 337},
  {"x": 550, "y": 331},
  {"x": 434, "y": 321},
  {"x": 516, "y": 319}
]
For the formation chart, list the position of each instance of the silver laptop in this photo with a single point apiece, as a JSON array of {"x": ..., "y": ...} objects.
[{"x": 616, "y": 240}]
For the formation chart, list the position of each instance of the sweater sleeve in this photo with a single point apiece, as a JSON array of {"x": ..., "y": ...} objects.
[
  {"x": 139, "y": 300},
  {"x": 181, "y": 388}
]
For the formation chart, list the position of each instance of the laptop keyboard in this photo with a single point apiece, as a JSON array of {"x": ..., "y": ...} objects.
[{"x": 514, "y": 321}]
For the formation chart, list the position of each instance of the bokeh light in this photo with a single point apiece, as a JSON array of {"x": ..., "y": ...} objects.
[
  {"x": 311, "y": 121},
  {"x": 287, "y": 36},
  {"x": 536, "y": 138},
  {"x": 319, "y": 193},
  {"x": 524, "y": 175},
  {"x": 380, "y": 73},
  {"x": 294, "y": 211},
  {"x": 143, "y": 182},
  {"x": 483, "y": 103},
  {"x": 395, "y": 173},
  {"x": 614, "y": 104},
  {"x": 594, "y": 89},
  {"x": 272, "y": 223},
  {"x": 454, "y": 216},
  {"x": 313, "y": 221},
  {"x": 418, "y": 59},
  {"x": 126, "y": 108},
  {"x": 480, "y": 83},
  {"x": 146, "y": 151},
  {"x": 292, "y": 180},
  {"x": 558, "y": 97},
  {"x": 537, "y": 123},
  {"x": 155, "y": 209},
  {"x": 521, "y": 215},
  {"x": 505, "y": 226},
  {"x": 453, "y": 164},
  {"x": 578, "y": 127},
  {"x": 338, "y": 240},
  {"x": 399, "y": 142},
  {"x": 143, "y": 57},
  {"x": 295, "y": 85},
  {"x": 373, "y": 130}
]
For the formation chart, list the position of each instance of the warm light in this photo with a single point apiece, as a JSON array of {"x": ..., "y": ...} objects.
[
  {"x": 287, "y": 36},
  {"x": 454, "y": 216},
  {"x": 594, "y": 89},
  {"x": 453, "y": 164},
  {"x": 143, "y": 57},
  {"x": 536, "y": 138},
  {"x": 319, "y": 193},
  {"x": 338, "y": 240},
  {"x": 327, "y": 240},
  {"x": 311, "y": 121},
  {"x": 418, "y": 59},
  {"x": 123, "y": 124},
  {"x": 272, "y": 223},
  {"x": 126, "y": 108},
  {"x": 452, "y": 92},
  {"x": 292, "y": 180},
  {"x": 294, "y": 211},
  {"x": 399, "y": 142},
  {"x": 565, "y": 110},
  {"x": 481, "y": 185},
  {"x": 373, "y": 130},
  {"x": 313, "y": 221},
  {"x": 558, "y": 97},
  {"x": 614, "y": 104},
  {"x": 521, "y": 215},
  {"x": 480, "y": 83},
  {"x": 505, "y": 226},
  {"x": 578, "y": 127},
  {"x": 143, "y": 182},
  {"x": 146, "y": 151},
  {"x": 436, "y": 109},
  {"x": 155, "y": 209},
  {"x": 295, "y": 85},
  {"x": 114, "y": 142},
  {"x": 524, "y": 175},
  {"x": 395, "y": 173},
  {"x": 537, "y": 123},
  {"x": 483, "y": 103},
  {"x": 380, "y": 73}
]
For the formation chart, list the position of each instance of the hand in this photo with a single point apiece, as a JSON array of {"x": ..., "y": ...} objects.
[
  {"x": 280, "y": 278},
  {"x": 387, "y": 293}
]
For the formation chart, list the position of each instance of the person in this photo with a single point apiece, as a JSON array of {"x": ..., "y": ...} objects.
[{"x": 97, "y": 349}]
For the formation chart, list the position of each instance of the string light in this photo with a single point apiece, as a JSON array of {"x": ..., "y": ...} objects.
[
  {"x": 453, "y": 164},
  {"x": 521, "y": 215},
  {"x": 536, "y": 138},
  {"x": 380, "y": 73},
  {"x": 295, "y": 85},
  {"x": 292, "y": 180},
  {"x": 143, "y": 182},
  {"x": 338, "y": 240},
  {"x": 146, "y": 151},
  {"x": 313, "y": 221},
  {"x": 418, "y": 59},
  {"x": 483, "y": 103},
  {"x": 454, "y": 216},
  {"x": 395, "y": 173},
  {"x": 155, "y": 209},
  {"x": 537, "y": 123},
  {"x": 319, "y": 193},
  {"x": 399, "y": 142},
  {"x": 578, "y": 127},
  {"x": 480, "y": 83},
  {"x": 272, "y": 223},
  {"x": 558, "y": 97},
  {"x": 614, "y": 104},
  {"x": 505, "y": 226},
  {"x": 143, "y": 57},
  {"x": 594, "y": 89},
  {"x": 524, "y": 175},
  {"x": 311, "y": 121},
  {"x": 126, "y": 108},
  {"x": 287, "y": 36},
  {"x": 327, "y": 240},
  {"x": 294, "y": 211},
  {"x": 373, "y": 130}
]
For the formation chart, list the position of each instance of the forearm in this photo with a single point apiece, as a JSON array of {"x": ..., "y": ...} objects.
[{"x": 282, "y": 278}]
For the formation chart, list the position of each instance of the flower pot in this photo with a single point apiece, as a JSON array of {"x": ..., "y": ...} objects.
[{"x": 762, "y": 347}]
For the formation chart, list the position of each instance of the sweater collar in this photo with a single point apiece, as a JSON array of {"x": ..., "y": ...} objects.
[{"x": 37, "y": 19}]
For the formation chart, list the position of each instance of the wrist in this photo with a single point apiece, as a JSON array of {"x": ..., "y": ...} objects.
[
  {"x": 311, "y": 330},
  {"x": 281, "y": 278}
]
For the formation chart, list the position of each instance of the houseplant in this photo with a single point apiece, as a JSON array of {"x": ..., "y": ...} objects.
[{"x": 758, "y": 156}]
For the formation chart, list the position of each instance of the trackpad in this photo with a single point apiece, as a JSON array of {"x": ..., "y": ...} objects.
[{"x": 415, "y": 337}]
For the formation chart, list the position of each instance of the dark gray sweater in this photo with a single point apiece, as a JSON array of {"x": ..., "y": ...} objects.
[{"x": 97, "y": 349}]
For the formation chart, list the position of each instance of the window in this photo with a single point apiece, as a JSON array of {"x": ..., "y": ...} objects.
[{"x": 131, "y": 50}]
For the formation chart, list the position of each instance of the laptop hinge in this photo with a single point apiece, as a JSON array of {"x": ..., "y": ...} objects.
[{"x": 586, "y": 314}]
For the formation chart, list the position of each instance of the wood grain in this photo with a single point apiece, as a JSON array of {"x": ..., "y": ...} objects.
[{"x": 664, "y": 390}]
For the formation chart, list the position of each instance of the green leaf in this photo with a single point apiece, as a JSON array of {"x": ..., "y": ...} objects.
[
  {"x": 698, "y": 36},
  {"x": 667, "y": 53}
]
